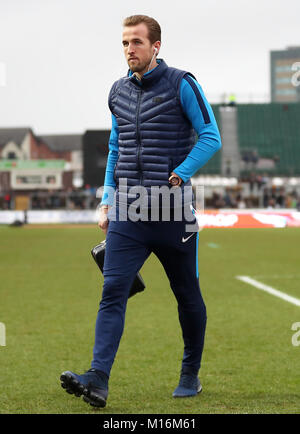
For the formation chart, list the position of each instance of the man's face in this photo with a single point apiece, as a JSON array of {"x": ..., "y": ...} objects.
[{"x": 137, "y": 47}]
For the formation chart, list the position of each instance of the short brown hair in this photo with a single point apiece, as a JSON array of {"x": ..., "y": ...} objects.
[{"x": 154, "y": 31}]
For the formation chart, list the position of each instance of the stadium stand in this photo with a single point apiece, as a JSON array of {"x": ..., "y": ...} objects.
[
  {"x": 261, "y": 142},
  {"x": 269, "y": 137}
]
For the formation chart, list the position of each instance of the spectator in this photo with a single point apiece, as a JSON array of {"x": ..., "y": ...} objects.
[
  {"x": 217, "y": 201},
  {"x": 252, "y": 179},
  {"x": 271, "y": 204},
  {"x": 232, "y": 100},
  {"x": 280, "y": 199},
  {"x": 241, "y": 204},
  {"x": 228, "y": 167},
  {"x": 265, "y": 179},
  {"x": 266, "y": 197},
  {"x": 7, "y": 201},
  {"x": 254, "y": 157},
  {"x": 229, "y": 199}
]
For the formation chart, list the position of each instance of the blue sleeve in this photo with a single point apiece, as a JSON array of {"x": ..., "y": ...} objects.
[
  {"x": 201, "y": 116},
  {"x": 109, "y": 182}
]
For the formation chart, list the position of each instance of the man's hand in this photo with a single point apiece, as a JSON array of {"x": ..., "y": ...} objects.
[
  {"x": 175, "y": 180},
  {"x": 103, "y": 220}
]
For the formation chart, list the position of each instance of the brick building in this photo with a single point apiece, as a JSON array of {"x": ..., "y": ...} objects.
[{"x": 29, "y": 162}]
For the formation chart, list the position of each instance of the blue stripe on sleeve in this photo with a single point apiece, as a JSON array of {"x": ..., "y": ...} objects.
[
  {"x": 201, "y": 116},
  {"x": 109, "y": 182},
  {"x": 199, "y": 97}
]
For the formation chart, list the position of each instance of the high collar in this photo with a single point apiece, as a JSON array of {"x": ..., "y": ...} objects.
[{"x": 150, "y": 77}]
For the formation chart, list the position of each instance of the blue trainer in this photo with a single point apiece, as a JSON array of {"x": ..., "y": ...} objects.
[
  {"x": 189, "y": 385},
  {"x": 92, "y": 384}
]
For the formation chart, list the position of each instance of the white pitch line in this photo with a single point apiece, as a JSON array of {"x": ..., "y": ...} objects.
[
  {"x": 277, "y": 276},
  {"x": 269, "y": 289}
]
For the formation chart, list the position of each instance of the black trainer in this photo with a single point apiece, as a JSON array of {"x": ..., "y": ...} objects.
[{"x": 92, "y": 384}]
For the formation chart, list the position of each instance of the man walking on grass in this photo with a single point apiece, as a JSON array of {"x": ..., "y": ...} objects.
[{"x": 153, "y": 150}]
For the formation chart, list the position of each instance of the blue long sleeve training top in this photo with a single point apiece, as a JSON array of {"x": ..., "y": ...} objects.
[{"x": 197, "y": 111}]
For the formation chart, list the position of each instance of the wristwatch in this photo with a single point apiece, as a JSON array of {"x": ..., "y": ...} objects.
[{"x": 174, "y": 180}]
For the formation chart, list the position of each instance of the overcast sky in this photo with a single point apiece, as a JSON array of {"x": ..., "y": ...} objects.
[{"x": 59, "y": 58}]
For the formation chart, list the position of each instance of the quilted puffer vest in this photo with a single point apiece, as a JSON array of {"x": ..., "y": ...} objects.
[{"x": 154, "y": 134}]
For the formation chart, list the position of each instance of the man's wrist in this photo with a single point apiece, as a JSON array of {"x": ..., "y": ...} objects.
[
  {"x": 105, "y": 206},
  {"x": 175, "y": 179}
]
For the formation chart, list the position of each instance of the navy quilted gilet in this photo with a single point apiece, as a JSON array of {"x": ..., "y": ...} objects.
[{"x": 154, "y": 134}]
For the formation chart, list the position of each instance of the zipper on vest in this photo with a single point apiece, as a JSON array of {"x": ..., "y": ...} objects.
[{"x": 138, "y": 136}]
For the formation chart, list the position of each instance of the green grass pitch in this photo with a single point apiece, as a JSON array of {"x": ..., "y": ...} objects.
[{"x": 49, "y": 296}]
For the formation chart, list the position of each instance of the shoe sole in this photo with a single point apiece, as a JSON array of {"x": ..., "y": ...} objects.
[
  {"x": 94, "y": 403},
  {"x": 73, "y": 386}
]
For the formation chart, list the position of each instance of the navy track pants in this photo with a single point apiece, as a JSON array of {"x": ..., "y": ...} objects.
[{"x": 128, "y": 245}]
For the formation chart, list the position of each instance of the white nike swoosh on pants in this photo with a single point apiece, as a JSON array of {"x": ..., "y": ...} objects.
[{"x": 185, "y": 239}]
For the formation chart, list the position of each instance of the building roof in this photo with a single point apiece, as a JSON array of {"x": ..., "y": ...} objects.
[
  {"x": 15, "y": 135},
  {"x": 55, "y": 142},
  {"x": 62, "y": 142}
]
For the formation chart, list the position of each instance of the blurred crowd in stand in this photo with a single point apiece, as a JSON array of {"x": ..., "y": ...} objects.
[
  {"x": 73, "y": 199},
  {"x": 254, "y": 191},
  {"x": 271, "y": 198}
]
